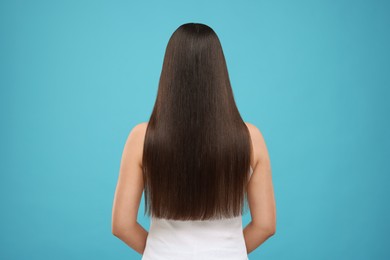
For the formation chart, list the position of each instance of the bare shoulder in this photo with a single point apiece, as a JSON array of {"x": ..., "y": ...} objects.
[
  {"x": 135, "y": 141},
  {"x": 138, "y": 131},
  {"x": 260, "y": 151},
  {"x": 140, "y": 128}
]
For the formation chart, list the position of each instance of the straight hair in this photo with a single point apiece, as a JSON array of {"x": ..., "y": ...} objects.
[{"x": 197, "y": 148}]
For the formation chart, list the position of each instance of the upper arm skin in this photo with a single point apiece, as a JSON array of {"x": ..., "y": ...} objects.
[
  {"x": 261, "y": 197},
  {"x": 130, "y": 184}
]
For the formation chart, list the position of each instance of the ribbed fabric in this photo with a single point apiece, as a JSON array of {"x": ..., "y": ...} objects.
[{"x": 196, "y": 239}]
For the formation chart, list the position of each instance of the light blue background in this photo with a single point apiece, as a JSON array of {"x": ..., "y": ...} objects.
[{"x": 76, "y": 76}]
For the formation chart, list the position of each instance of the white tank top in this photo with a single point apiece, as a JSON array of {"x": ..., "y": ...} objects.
[{"x": 221, "y": 239}]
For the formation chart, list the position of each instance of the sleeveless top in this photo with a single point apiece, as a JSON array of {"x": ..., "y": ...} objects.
[{"x": 196, "y": 239}]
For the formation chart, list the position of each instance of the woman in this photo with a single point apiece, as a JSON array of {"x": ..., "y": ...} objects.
[{"x": 197, "y": 162}]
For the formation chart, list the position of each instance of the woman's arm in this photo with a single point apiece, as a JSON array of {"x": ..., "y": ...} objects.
[
  {"x": 128, "y": 192},
  {"x": 261, "y": 197},
  {"x": 255, "y": 236},
  {"x": 134, "y": 236}
]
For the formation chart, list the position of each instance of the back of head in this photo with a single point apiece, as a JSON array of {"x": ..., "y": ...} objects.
[{"x": 197, "y": 148}]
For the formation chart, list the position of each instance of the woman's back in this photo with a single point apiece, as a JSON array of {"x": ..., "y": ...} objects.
[
  {"x": 207, "y": 239},
  {"x": 196, "y": 239}
]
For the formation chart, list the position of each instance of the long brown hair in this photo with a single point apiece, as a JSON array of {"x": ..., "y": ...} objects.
[{"x": 197, "y": 148}]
